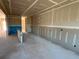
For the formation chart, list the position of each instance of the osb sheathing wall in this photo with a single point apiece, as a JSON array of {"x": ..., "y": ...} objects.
[
  {"x": 59, "y": 25},
  {"x": 43, "y": 19},
  {"x": 65, "y": 16},
  {"x": 14, "y": 20}
]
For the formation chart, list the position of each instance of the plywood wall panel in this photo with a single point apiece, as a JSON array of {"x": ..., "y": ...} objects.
[
  {"x": 61, "y": 16},
  {"x": 43, "y": 19},
  {"x": 14, "y": 20},
  {"x": 67, "y": 16}
]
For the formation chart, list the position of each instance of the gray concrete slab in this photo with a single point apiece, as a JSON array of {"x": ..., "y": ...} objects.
[{"x": 34, "y": 47}]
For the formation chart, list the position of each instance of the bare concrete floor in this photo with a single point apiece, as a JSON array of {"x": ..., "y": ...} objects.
[{"x": 33, "y": 48}]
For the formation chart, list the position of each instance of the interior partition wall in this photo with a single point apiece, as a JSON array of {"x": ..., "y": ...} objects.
[{"x": 60, "y": 26}]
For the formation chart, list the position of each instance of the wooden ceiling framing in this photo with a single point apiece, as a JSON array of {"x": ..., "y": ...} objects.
[{"x": 29, "y": 7}]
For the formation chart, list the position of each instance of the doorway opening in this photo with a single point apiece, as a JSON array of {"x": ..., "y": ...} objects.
[{"x": 3, "y": 24}]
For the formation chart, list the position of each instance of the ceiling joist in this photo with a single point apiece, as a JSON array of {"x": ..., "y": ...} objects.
[
  {"x": 10, "y": 6},
  {"x": 3, "y": 7},
  {"x": 51, "y": 7},
  {"x": 53, "y": 2},
  {"x": 57, "y": 8},
  {"x": 30, "y": 6}
]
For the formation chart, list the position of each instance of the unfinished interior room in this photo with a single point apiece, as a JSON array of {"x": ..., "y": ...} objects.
[{"x": 39, "y": 29}]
